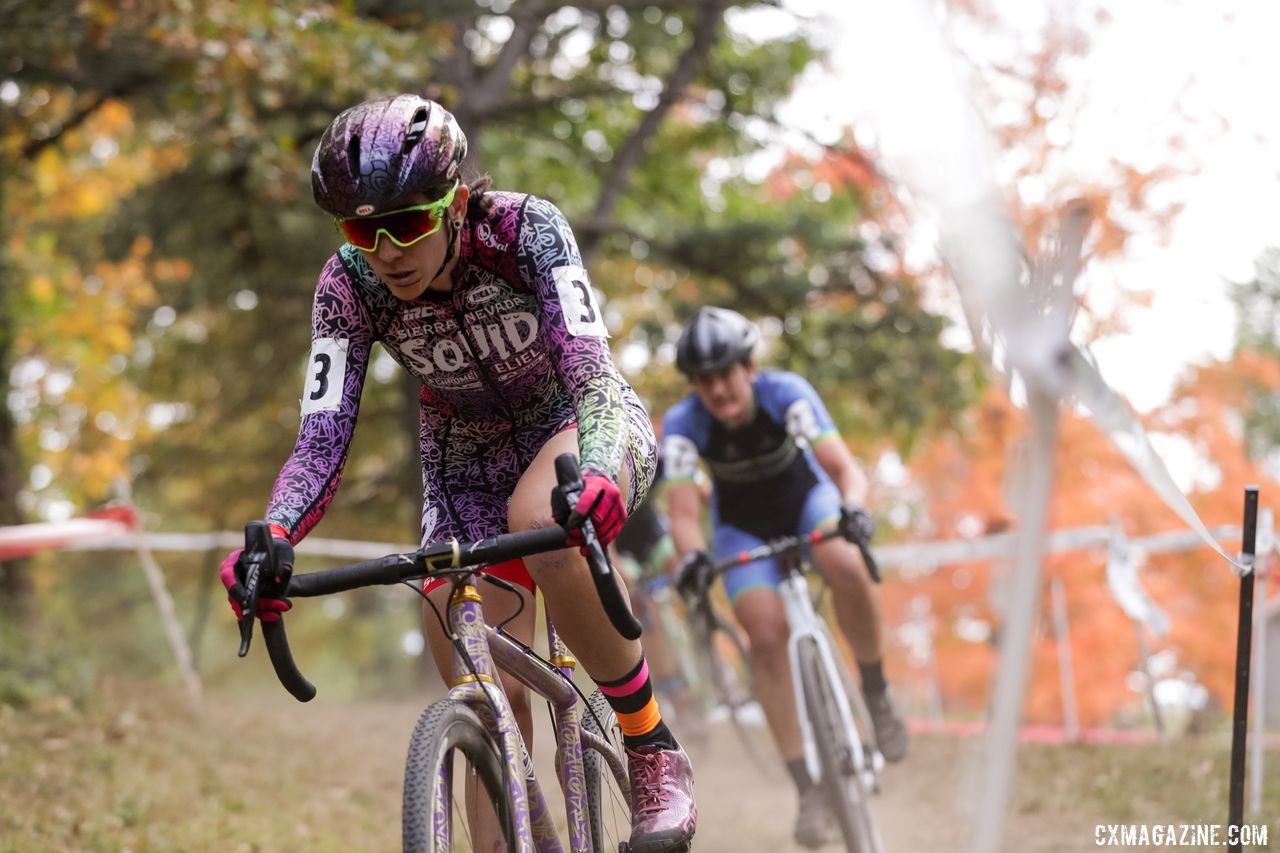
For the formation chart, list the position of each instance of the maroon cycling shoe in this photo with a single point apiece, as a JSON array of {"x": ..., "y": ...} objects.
[{"x": 663, "y": 814}]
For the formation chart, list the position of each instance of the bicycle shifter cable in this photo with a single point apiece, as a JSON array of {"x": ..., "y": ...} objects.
[
  {"x": 511, "y": 588},
  {"x": 444, "y": 627},
  {"x": 454, "y": 640},
  {"x": 457, "y": 644}
]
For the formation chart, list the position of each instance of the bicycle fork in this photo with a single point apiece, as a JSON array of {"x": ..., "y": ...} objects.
[
  {"x": 475, "y": 683},
  {"x": 487, "y": 646},
  {"x": 805, "y": 625}
]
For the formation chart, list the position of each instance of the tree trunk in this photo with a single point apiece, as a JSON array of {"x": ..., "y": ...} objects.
[{"x": 17, "y": 597}]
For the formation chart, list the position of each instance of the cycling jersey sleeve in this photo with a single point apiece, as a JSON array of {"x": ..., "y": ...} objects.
[
  {"x": 570, "y": 318},
  {"x": 794, "y": 401},
  {"x": 680, "y": 440},
  {"x": 341, "y": 339}
]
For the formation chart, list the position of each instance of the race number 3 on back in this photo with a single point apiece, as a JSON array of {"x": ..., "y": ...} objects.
[
  {"x": 578, "y": 301},
  {"x": 326, "y": 370}
]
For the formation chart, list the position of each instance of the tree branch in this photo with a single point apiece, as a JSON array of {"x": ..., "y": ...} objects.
[
  {"x": 668, "y": 5},
  {"x": 710, "y": 13},
  {"x": 528, "y": 20},
  {"x": 591, "y": 89},
  {"x": 461, "y": 63},
  {"x": 672, "y": 253},
  {"x": 35, "y": 146}
]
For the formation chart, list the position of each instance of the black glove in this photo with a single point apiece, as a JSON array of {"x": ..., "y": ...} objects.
[
  {"x": 693, "y": 575},
  {"x": 856, "y": 524}
]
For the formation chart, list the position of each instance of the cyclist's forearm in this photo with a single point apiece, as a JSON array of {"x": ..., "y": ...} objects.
[
  {"x": 601, "y": 425},
  {"x": 845, "y": 471},
  {"x": 684, "y": 513},
  {"x": 341, "y": 341},
  {"x": 306, "y": 485},
  {"x": 687, "y": 535}
]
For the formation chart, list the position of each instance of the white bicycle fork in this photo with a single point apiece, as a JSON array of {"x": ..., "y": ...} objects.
[{"x": 805, "y": 624}]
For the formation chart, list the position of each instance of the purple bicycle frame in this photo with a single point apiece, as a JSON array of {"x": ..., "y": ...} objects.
[{"x": 477, "y": 686}]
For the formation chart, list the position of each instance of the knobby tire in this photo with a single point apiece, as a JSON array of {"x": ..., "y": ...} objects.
[
  {"x": 736, "y": 689},
  {"x": 606, "y": 802},
  {"x": 841, "y": 781},
  {"x": 447, "y": 729}
]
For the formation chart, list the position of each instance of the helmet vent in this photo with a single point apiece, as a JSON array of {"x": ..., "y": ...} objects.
[
  {"x": 417, "y": 128},
  {"x": 353, "y": 155}
]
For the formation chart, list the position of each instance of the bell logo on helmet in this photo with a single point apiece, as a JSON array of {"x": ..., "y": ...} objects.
[{"x": 364, "y": 210}]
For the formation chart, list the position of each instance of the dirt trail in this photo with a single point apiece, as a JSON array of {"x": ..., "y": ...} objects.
[
  {"x": 919, "y": 808},
  {"x": 268, "y": 774}
]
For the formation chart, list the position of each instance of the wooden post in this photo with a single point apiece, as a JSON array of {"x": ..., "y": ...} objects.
[
  {"x": 1149, "y": 681},
  {"x": 172, "y": 630}
]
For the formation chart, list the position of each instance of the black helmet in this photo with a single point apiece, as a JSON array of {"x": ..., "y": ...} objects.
[{"x": 713, "y": 339}]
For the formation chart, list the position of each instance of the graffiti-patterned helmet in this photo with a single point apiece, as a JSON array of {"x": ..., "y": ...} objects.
[{"x": 383, "y": 150}]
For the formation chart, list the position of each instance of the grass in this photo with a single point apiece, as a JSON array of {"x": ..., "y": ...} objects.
[{"x": 136, "y": 770}]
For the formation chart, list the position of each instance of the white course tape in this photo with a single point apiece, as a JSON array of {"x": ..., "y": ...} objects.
[
  {"x": 23, "y": 539},
  {"x": 347, "y": 549},
  {"x": 924, "y": 557},
  {"x": 1123, "y": 563},
  {"x": 920, "y": 557},
  {"x": 1121, "y": 426},
  {"x": 953, "y": 184}
]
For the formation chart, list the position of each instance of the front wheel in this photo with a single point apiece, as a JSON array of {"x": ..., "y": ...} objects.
[
  {"x": 735, "y": 689},
  {"x": 449, "y": 732},
  {"x": 608, "y": 802},
  {"x": 833, "y": 735}
]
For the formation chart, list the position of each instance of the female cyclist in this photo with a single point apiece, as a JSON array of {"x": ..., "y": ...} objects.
[{"x": 481, "y": 295}]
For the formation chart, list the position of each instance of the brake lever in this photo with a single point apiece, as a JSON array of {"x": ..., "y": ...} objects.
[
  {"x": 869, "y": 561},
  {"x": 565, "y": 497},
  {"x": 257, "y": 556}
]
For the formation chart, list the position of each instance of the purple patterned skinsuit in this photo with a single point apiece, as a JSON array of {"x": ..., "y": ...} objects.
[{"x": 516, "y": 353}]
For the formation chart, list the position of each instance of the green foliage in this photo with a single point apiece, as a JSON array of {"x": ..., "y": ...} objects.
[
  {"x": 44, "y": 665},
  {"x": 876, "y": 381},
  {"x": 1257, "y": 305},
  {"x": 167, "y": 247}
]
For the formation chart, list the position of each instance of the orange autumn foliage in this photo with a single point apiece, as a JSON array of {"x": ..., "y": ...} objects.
[{"x": 961, "y": 478}]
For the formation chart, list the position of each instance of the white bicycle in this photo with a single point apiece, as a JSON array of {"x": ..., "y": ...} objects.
[{"x": 839, "y": 741}]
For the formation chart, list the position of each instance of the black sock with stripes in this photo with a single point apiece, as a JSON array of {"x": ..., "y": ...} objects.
[{"x": 633, "y": 702}]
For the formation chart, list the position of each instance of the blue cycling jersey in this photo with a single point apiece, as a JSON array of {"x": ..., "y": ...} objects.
[{"x": 761, "y": 472}]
